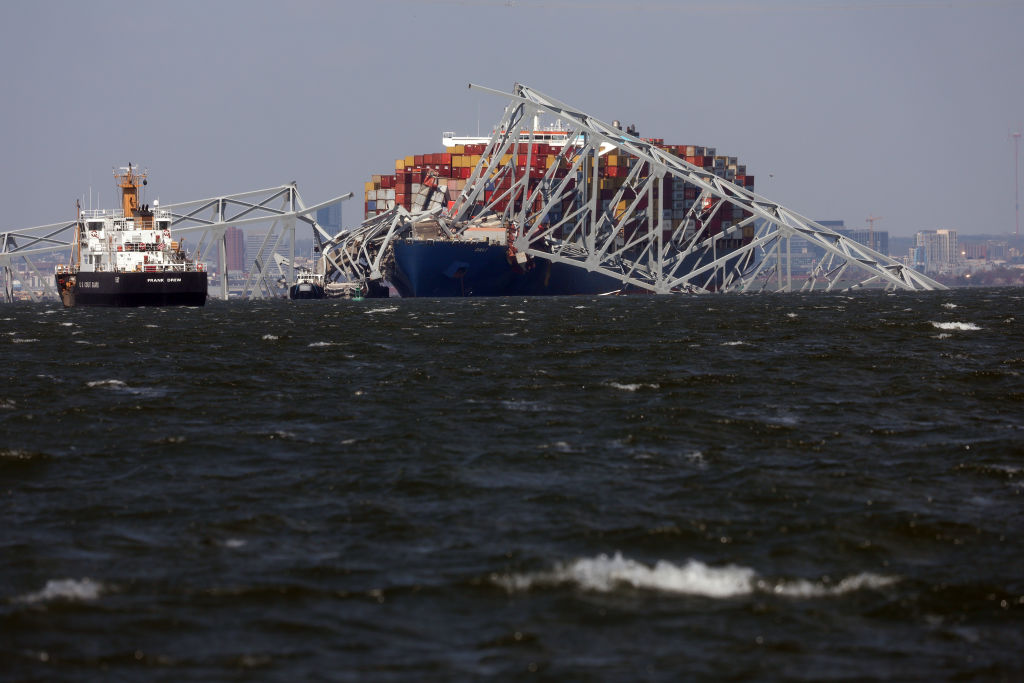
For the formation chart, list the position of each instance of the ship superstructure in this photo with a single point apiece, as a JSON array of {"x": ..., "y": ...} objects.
[{"x": 127, "y": 256}]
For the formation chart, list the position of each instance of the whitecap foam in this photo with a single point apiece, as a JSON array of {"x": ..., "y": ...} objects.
[
  {"x": 65, "y": 589},
  {"x": 733, "y": 343},
  {"x": 697, "y": 458},
  {"x": 632, "y": 387},
  {"x": 270, "y": 337},
  {"x": 108, "y": 383},
  {"x": 320, "y": 343},
  {"x": 956, "y": 326},
  {"x": 949, "y": 305},
  {"x": 24, "y": 341},
  {"x": 802, "y": 588},
  {"x": 605, "y": 573},
  {"x": 388, "y": 309}
]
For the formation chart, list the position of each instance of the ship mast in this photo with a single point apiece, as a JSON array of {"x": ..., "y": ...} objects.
[
  {"x": 129, "y": 184},
  {"x": 78, "y": 236}
]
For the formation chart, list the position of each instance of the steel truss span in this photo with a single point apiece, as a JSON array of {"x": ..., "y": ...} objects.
[
  {"x": 204, "y": 220},
  {"x": 639, "y": 247}
]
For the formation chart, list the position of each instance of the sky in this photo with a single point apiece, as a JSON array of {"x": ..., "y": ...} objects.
[{"x": 898, "y": 109}]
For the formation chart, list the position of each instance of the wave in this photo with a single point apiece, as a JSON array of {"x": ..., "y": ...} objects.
[
  {"x": 604, "y": 574},
  {"x": 64, "y": 589},
  {"x": 109, "y": 383},
  {"x": 388, "y": 309},
  {"x": 956, "y": 326},
  {"x": 632, "y": 387}
]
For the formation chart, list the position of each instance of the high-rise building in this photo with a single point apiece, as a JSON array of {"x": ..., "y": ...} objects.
[
  {"x": 917, "y": 259},
  {"x": 234, "y": 243},
  {"x": 253, "y": 244},
  {"x": 329, "y": 218},
  {"x": 940, "y": 249}
]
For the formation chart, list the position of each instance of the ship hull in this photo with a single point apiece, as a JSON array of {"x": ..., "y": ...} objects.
[
  {"x": 133, "y": 289},
  {"x": 438, "y": 268},
  {"x": 445, "y": 269},
  {"x": 305, "y": 290}
]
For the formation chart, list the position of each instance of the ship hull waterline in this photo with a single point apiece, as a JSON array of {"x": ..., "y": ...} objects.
[
  {"x": 439, "y": 268},
  {"x": 306, "y": 290},
  {"x": 132, "y": 289}
]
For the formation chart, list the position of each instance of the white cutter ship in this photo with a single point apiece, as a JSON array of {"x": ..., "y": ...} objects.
[{"x": 127, "y": 257}]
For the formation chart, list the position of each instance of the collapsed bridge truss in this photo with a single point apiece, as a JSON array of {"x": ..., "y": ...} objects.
[
  {"x": 275, "y": 210},
  {"x": 562, "y": 213}
]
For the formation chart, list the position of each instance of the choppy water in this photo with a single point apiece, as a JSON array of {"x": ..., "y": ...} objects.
[{"x": 780, "y": 486}]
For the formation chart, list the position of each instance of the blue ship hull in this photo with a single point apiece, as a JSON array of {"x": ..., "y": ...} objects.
[
  {"x": 439, "y": 268},
  {"x": 427, "y": 268}
]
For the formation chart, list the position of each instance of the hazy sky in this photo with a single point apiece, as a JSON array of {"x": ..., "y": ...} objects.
[{"x": 898, "y": 109}]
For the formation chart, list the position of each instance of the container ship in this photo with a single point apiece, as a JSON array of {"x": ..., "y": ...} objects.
[
  {"x": 482, "y": 261},
  {"x": 126, "y": 257}
]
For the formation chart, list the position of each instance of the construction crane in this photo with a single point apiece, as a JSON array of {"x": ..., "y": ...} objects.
[
  {"x": 871, "y": 230},
  {"x": 1016, "y": 178}
]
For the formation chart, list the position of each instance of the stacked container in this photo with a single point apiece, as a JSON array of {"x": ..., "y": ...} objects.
[{"x": 431, "y": 180}]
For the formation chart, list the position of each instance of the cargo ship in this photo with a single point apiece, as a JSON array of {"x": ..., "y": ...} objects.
[
  {"x": 127, "y": 257},
  {"x": 482, "y": 261}
]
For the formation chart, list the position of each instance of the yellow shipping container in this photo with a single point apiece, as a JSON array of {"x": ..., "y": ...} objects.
[
  {"x": 410, "y": 160},
  {"x": 399, "y": 164},
  {"x": 460, "y": 149},
  {"x": 474, "y": 160},
  {"x": 369, "y": 186}
]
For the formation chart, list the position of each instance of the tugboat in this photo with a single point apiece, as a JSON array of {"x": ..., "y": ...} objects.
[
  {"x": 127, "y": 257},
  {"x": 308, "y": 285}
]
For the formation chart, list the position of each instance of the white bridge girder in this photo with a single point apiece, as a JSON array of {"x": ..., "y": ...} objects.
[
  {"x": 638, "y": 247},
  {"x": 205, "y": 220}
]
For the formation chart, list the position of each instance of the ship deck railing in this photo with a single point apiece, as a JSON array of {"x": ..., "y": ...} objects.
[{"x": 118, "y": 214}]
